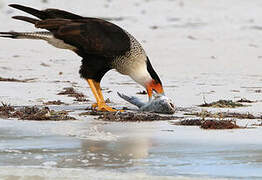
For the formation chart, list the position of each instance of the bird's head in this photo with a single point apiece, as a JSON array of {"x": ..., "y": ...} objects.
[
  {"x": 154, "y": 84},
  {"x": 144, "y": 74}
]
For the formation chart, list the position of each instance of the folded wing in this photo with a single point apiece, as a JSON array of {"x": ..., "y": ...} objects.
[{"x": 89, "y": 35}]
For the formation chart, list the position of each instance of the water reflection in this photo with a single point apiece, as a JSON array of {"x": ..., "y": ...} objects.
[{"x": 115, "y": 154}]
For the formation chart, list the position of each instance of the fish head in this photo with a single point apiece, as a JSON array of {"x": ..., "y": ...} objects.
[{"x": 164, "y": 104}]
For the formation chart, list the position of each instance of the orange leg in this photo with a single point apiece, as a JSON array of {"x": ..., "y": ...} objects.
[{"x": 96, "y": 89}]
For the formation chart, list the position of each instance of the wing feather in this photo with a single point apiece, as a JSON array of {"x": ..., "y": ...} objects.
[{"x": 89, "y": 35}]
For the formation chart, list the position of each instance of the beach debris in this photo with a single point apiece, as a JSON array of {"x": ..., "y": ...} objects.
[
  {"x": 45, "y": 65},
  {"x": 191, "y": 37},
  {"x": 91, "y": 112},
  {"x": 56, "y": 102},
  {"x": 70, "y": 92},
  {"x": 188, "y": 122},
  {"x": 15, "y": 80},
  {"x": 258, "y": 91},
  {"x": 5, "y": 109},
  {"x": 108, "y": 91},
  {"x": 219, "y": 124},
  {"x": 244, "y": 100},
  {"x": 208, "y": 124},
  {"x": 222, "y": 115},
  {"x": 33, "y": 113},
  {"x": 154, "y": 27},
  {"x": 133, "y": 116},
  {"x": 159, "y": 104},
  {"x": 128, "y": 116},
  {"x": 222, "y": 104}
]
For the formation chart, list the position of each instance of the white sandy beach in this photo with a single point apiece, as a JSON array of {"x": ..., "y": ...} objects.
[{"x": 202, "y": 50}]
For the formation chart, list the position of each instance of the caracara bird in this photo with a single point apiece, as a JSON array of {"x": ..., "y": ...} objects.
[{"x": 102, "y": 45}]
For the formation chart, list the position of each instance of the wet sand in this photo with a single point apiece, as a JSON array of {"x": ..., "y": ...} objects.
[{"x": 203, "y": 51}]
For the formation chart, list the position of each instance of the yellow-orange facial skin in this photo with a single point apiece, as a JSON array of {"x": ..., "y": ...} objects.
[{"x": 154, "y": 86}]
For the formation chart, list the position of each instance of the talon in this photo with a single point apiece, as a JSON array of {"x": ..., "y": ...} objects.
[
  {"x": 100, "y": 105},
  {"x": 94, "y": 106},
  {"x": 105, "y": 108}
]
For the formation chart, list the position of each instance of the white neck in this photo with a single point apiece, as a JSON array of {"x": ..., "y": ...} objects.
[{"x": 141, "y": 75}]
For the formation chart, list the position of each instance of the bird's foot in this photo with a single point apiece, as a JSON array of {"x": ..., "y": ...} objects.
[
  {"x": 94, "y": 106},
  {"x": 104, "y": 108}
]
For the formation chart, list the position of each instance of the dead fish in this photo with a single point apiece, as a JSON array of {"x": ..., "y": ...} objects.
[{"x": 159, "y": 104}]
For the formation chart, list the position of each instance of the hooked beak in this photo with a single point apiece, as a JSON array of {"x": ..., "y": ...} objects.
[{"x": 154, "y": 86}]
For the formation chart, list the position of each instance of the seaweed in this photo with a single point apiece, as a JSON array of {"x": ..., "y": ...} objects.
[
  {"x": 56, "y": 102},
  {"x": 244, "y": 100},
  {"x": 33, "y": 113},
  {"x": 15, "y": 80},
  {"x": 221, "y": 115},
  {"x": 209, "y": 124},
  {"x": 5, "y": 110},
  {"x": 222, "y": 104},
  {"x": 189, "y": 122},
  {"x": 129, "y": 116},
  {"x": 133, "y": 116},
  {"x": 219, "y": 124},
  {"x": 70, "y": 92}
]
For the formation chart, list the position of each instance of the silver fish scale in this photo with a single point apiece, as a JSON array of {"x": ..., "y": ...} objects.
[
  {"x": 135, "y": 55},
  {"x": 159, "y": 104}
]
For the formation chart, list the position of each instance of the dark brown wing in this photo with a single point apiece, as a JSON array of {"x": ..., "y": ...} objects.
[{"x": 89, "y": 35}]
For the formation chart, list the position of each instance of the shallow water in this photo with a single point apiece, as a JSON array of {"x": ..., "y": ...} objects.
[{"x": 151, "y": 148}]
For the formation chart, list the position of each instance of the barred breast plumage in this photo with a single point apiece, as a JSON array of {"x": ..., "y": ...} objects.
[{"x": 136, "y": 56}]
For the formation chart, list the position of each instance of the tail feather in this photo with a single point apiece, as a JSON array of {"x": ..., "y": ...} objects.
[
  {"x": 34, "y": 12},
  {"x": 46, "y": 14},
  {"x": 27, "y": 35},
  {"x": 26, "y": 19},
  {"x": 13, "y": 35},
  {"x": 42, "y": 35}
]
